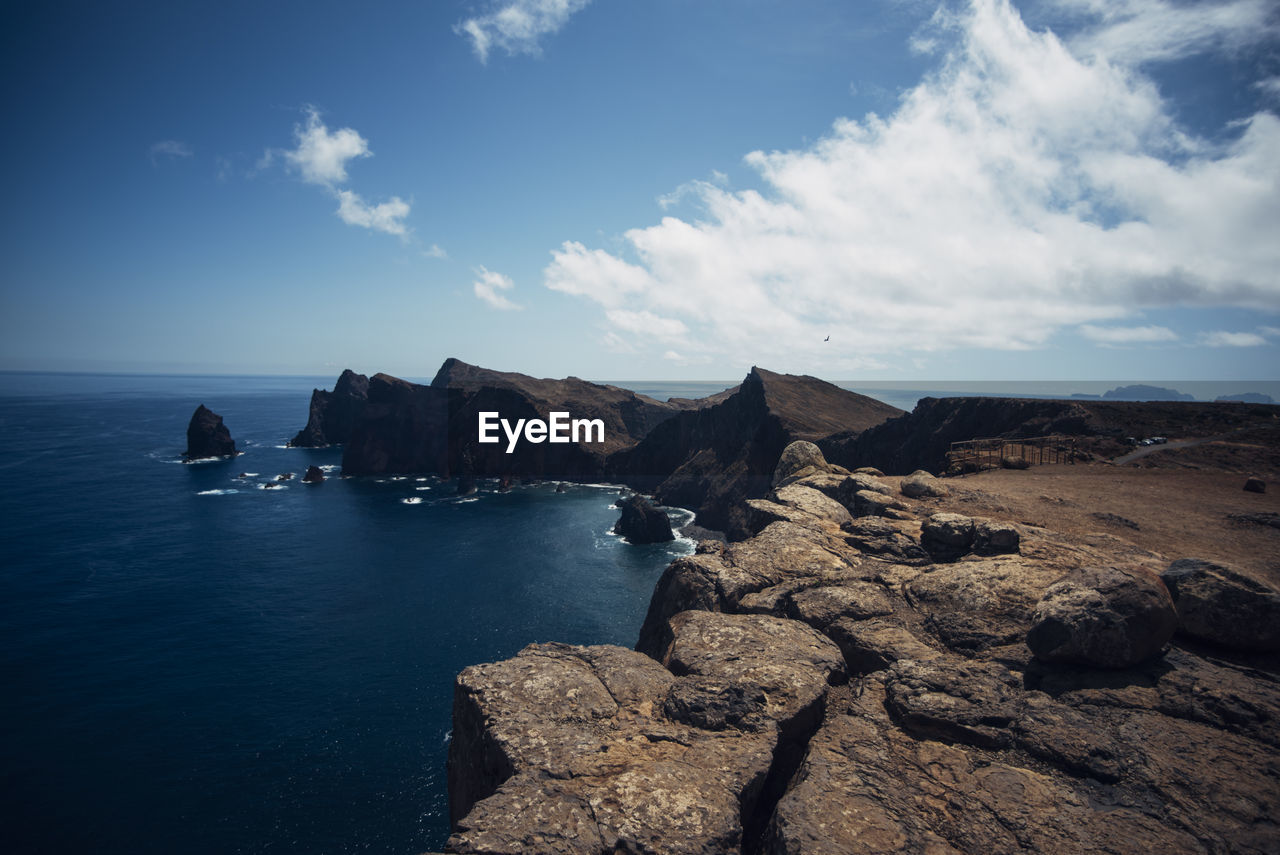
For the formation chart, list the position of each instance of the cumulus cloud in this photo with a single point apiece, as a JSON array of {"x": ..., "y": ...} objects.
[
  {"x": 385, "y": 217},
  {"x": 489, "y": 284},
  {"x": 516, "y": 26},
  {"x": 169, "y": 149},
  {"x": 1127, "y": 335},
  {"x": 320, "y": 156},
  {"x": 1137, "y": 31},
  {"x": 1019, "y": 189},
  {"x": 1222, "y": 338}
]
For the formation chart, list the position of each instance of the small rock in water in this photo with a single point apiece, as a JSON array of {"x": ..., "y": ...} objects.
[
  {"x": 641, "y": 522},
  {"x": 314, "y": 475},
  {"x": 207, "y": 436}
]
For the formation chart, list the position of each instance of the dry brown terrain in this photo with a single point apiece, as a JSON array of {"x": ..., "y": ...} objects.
[{"x": 1161, "y": 506}]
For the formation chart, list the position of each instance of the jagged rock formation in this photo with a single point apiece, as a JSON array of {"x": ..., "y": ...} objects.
[
  {"x": 806, "y": 690},
  {"x": 207, "y": 436},
  {"x": 641, "y": 522},
  {"x": 314, "y": 475},
  {"x": 712, "y": 460},
  {"x": 334, "y": 415},
  {"x": 408, "y": 427},
  {"x": 921, "y": 439}
]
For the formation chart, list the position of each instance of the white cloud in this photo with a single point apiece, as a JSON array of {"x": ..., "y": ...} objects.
[
  {"x": 1270, "y": 332},
  {"x": 517, "y": 25},
  {"x": 321, "y": 157},
  {"x": 672, "y": 356},
  {"x": 385, "y": 217},
  {"x": 1136, "y": 31},
  {"x": 1127, "y": 335},
  {"x": 1018, "y": 190},
  {"x": 488, "y": 286},
  {"x": 435, "y": 252},
  {"x": 1222, "y": 338},
  {"x": 169, "y": 148}
]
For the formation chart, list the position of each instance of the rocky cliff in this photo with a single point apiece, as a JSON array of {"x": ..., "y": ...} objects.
[
  {"x": 889, "y": 676},
  {"x": 334, "y": 415},
  {"x": 207, "y": 436},
  {"x": 920, "y": 439},
  {"x": 408, "y": 427},
  {"x": 712, "y": 459}
]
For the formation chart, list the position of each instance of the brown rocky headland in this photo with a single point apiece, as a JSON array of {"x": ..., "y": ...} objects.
[{"x": 1010, "y": 661}]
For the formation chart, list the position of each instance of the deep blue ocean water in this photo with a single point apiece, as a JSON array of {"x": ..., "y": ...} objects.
[{"x": 195, "y": 664}]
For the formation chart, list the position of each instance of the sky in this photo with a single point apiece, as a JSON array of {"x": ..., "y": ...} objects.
[{"x": 644, "y": 189}]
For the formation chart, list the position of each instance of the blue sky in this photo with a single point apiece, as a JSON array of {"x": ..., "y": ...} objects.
[{"x": 645, "y": 189}]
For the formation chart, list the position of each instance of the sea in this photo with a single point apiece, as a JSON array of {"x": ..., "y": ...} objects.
[{"x": 203, "y": 658}]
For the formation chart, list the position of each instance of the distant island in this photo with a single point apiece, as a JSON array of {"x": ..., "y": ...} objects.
[{"x": 1138, "y": 392}]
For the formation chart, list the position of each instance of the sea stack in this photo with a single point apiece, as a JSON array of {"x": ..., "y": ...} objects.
[
  {"x": 207, "y": 436},
  {"x": 641, "y": 522}
]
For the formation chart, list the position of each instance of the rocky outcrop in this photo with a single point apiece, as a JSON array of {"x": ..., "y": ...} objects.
[
  {"x": 334, "y": 415},
  {"x": 1221, "y": 605},
  {"x": 1104, "y": 617},
  {"x": 922, "y": 438},
  {"x": 313, "y": 475},
  {"x": 732, "y": 729},
  {"x": 411, "y": 428},
  {"x": 207, "y": 436},
  {"x": 712, "y": 460},
  {"x": 641, "y": 522}
]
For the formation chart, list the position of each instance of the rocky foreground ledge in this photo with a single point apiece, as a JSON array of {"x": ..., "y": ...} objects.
[{"x": 865, "y": 674}]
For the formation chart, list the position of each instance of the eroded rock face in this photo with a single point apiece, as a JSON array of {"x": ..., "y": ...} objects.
[
  {"x": 334, "y": 415},
  {"x": 739, "y": 732},
  {"x": 570, "y": 749},
  {"x": 1219, "y": 604},
  {"x": 1107, "y": 617},
  {"x": 207, "y": 436}
]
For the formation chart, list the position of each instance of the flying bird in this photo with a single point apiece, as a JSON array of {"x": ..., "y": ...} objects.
[{"x": 828, "y": 338}]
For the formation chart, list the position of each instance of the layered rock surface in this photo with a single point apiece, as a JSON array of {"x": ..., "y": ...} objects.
[{"x": 733, "y": 728}]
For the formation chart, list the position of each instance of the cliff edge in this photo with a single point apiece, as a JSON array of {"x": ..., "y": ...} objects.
[{"x": 875, "y": 670}]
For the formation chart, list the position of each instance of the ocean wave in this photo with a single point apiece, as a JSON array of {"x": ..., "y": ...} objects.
[
  {"x": 226, "y": 492},
  {"x": 412, "y": 500},
  {"x": 272, "y": 485}
]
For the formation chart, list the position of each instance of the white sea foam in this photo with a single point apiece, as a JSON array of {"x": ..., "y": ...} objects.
[
  {"x": 462, "y": 499},
  {"x": 244, "y": 475},
  {"x": 412, "y": 500},
  {"x": 424, "y": 488},
  {"x": 397, "y": 477},
  {"x": 216, "y": 492},
  {"x": 272, "y": 485},
  {"x": 330, "y": 467}
]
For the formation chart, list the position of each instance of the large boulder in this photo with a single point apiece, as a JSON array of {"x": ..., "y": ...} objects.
[
  {"x": 920, "y": 484},
  {"x": 798, "y": 460},
  {"x": 1104, "y": 617},
  {"x": 207, "y": 436},
  {"x": 1219, "y": 604},
  {"x": 947, "y": 536},
  {"x": 641, "y": 522}
]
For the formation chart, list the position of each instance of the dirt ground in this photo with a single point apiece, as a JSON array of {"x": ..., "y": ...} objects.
[{"x": 1163, "y": 506}]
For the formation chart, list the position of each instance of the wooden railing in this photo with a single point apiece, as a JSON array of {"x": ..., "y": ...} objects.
[{"x": 972, "y": 455}]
